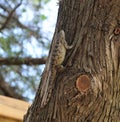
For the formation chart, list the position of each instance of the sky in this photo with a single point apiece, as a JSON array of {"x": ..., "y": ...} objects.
[{"x": 50, "y": 10}]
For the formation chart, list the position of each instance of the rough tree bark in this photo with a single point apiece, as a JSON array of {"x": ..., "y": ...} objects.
[{"x": 88, "y": 90}]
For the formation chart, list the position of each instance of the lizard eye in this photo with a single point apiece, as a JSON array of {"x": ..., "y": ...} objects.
[
  {"x": 56, "y": 46},
  {"x": 57, "y": 41}
]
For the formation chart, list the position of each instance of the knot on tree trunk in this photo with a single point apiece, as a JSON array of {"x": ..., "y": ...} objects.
[{"x": 83, "y": 84}]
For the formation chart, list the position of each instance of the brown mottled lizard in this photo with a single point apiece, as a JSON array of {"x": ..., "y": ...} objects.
[{"x": 55, "y": 62}]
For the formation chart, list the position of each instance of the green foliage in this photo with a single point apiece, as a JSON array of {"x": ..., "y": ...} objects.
[
  {"x": 23, "y": 10},
  {"x": 7, "y": 44},
  {"x": 46, "y": 1},
  {"x": 43, "y": 17}
]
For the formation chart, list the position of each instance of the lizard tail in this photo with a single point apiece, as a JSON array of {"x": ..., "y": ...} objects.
[{"x": 49, "y": 86}]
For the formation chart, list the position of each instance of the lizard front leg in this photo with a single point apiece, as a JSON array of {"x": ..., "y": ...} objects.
[
  {"x": 63, "y": 40},
  {"x": 60, "y": 68},
  {"x": 67, "y": 46}
]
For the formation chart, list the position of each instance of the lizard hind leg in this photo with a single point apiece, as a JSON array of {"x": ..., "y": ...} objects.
[{"x": 60, "y": 68}]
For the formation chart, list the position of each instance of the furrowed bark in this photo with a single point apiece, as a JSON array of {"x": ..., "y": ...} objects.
[{"x": 88, "y": 89}]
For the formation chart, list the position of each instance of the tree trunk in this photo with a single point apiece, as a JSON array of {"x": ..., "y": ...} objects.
[{"x": 88, "y": 90}]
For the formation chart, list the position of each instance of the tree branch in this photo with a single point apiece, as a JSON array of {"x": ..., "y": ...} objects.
[
  {"x": 9, "y": 16},
  {"x": 4, "y": 8},
  {"x": 19, "y": 24},
  {"x": 8, "y": 90},
  {"x": 20, "y": 61}
]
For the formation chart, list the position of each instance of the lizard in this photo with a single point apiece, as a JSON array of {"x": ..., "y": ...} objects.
[{"x": 55, "y": 62}]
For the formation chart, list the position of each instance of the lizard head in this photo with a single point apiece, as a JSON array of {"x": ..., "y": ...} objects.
[{"x": 61, "y": 35}]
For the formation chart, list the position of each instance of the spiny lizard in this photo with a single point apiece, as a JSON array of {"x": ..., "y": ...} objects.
[{"x": 56, "y": 59}]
